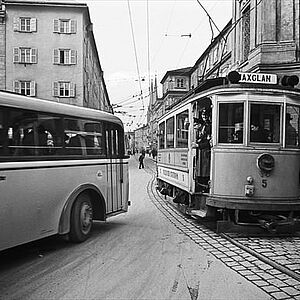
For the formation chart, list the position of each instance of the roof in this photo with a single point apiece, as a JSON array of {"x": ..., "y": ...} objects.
[
  {"x": 43, "y": 2},
  {"x": 180, "y": 72},
  {"x": 10, "y": 99}
]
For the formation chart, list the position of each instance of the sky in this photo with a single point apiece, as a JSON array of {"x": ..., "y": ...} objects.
[{"x": 139, "y": 39}]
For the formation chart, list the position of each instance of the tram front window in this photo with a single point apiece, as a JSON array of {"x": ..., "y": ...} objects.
[
  {"x": 265, "y": 123},
  {"x": 292, "y": 126},
  {"x": 231, "y": 120}
]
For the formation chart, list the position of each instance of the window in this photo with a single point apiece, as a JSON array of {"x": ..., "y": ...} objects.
[
  {"x": 292, "y": 126},
  {"x": 25, "y": 55},
  {"x": 265, "y": 123},
  {"x": 63, "y": 89},
  {"x": 162, "y": 135},
  {"x": 25, "y": 24},
  {"x": 231, "y": 123},
  {"x": 26, "y": 133},
  {"x": 246, "y": 32},
  {"x": 64, "y": 56},
  {"x": 64, "y": 26},
  {"x": 170, "y": 133},
  {"x": 182, "y": 129},
  {"x": 215, "y": 54},
  {"x": 180, "y": 83},
  {"x": 84, "y": 137},
  {"x": 114, "y": 140},
  {"x": 30, "y": 133},
  {"x": 26, "y": 88}
]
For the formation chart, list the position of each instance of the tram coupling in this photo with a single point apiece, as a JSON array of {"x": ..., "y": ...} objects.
[{"x": 279, "y": 224}]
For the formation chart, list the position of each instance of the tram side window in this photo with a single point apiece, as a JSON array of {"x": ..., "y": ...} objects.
[
  {"x": 182, "y": 129},
  {"x": 231, "y": 123},
  {"x": 264, "y": 123},
  {"x": 29, "y": 133},
  {"x": 170, "y": 132},
  {"x": 292, "y": 126},
  {"x": 162, "y": 135}
]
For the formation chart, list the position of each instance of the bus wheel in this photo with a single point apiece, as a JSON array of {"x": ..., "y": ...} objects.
[{"x": 81, "y": 218}]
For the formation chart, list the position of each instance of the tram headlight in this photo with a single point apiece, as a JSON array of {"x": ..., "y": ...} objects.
[
  {"x": 290, "y": 80},
  {"x": 266, "y": 163},
  {"x": 234, "y": 76}
]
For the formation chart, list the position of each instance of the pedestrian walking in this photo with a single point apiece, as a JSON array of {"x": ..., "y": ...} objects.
[{"x": 141, "y": 160}]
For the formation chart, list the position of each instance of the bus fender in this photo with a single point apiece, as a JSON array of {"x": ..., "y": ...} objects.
[{"x": 98, "y": 202}]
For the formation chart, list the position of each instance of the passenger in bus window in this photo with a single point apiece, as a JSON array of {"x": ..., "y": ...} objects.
[{"x": 291, "y": 132}]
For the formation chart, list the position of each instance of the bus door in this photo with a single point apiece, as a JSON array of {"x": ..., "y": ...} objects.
[{"x": 115, "y": 171}]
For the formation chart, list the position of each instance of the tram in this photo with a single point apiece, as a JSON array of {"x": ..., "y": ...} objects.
[{"x": 230, "y": 151}]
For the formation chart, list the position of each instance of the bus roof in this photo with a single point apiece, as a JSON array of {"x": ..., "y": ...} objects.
[{"x": 10, "y": 99}]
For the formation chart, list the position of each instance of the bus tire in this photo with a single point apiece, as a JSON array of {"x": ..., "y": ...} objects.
[{"x": 81, "y": 219}]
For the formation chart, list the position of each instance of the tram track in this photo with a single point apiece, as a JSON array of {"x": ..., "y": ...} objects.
[{"x": 241, "y": 253}]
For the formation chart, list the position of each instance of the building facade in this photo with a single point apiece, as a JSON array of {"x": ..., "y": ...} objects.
[
  {"x": 47, "y": 50},
  {"x": 266, "y": 36},
  {"x": 262, "y": 37},
  {"x": 141, "y": 138}
]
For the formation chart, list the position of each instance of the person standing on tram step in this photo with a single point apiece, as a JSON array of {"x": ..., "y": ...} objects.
[
  {"x": 141, "y": 160},
  {"x": 202, "y": 143},
  {"x": 291, "y": 132}
]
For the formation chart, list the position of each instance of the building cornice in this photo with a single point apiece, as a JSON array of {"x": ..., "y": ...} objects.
[{"x": 45, "y": 3}]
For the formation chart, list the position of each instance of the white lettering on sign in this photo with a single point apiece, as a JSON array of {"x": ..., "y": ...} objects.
[{"x": 258, "y": 78}]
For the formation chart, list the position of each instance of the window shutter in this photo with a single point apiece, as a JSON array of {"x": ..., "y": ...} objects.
[
  {"x": 55, "y": 88},
  {"x": 17, "y": 86},
  {"x": 32, "y": 88},
  {"x": 56, "y": 56},
  {"x": 73, "y": 26},
  {"x": 33, "y": 54},
  {"x": 55, "y": 25},
  {"x": 16, "y": 24},
  {"x": 72, "y": 89},
  {"x": 16, "y": 56},
  {"x": 73, "y": 57},
  {"x": 33, "y": 24}
]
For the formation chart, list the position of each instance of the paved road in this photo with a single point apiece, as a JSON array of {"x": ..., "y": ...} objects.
[{"x": 138, "y": 255}]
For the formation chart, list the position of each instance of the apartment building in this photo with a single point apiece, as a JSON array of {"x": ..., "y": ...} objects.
[{"x": 48, "y": 50}]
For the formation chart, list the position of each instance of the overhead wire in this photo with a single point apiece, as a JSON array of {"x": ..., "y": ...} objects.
[{"x": 135, "y": 51}]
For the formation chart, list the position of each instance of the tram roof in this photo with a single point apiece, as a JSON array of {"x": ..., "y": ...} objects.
[
  {"x": 11, "y": 99},
  {"x": 221, "y": 85}
]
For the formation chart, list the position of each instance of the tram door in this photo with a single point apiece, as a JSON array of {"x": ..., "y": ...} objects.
[{"x": 115, "y": 170}]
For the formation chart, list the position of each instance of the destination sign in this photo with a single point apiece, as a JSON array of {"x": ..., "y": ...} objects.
[{"x": 258, "y": 78}]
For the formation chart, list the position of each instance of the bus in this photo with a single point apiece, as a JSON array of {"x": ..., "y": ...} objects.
[
  {"x": 61, "y": 167},
  {"x": 231, "y": 151}
]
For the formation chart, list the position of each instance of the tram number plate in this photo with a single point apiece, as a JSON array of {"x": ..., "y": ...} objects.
[{"x": 264, "y": 183}]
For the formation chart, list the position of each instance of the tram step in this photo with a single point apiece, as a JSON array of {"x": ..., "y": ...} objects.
[{"x": 199, "y": 213}]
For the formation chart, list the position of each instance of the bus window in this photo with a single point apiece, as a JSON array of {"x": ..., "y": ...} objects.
[
  {"x": 264, "y": 123},
  {"x": 231, "y": 121},
  {"x": 74, "y": 139},
  {"x": 292, "y": 126},
  {"x": 32, "y": 134},
  {"x": 3, "y": 134},
  {"x": 182, "y": 129},
  {"x": 162, "y": 135},
  {"x": 94, "y": 138},
  {"x": 170, "y": 133}
]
